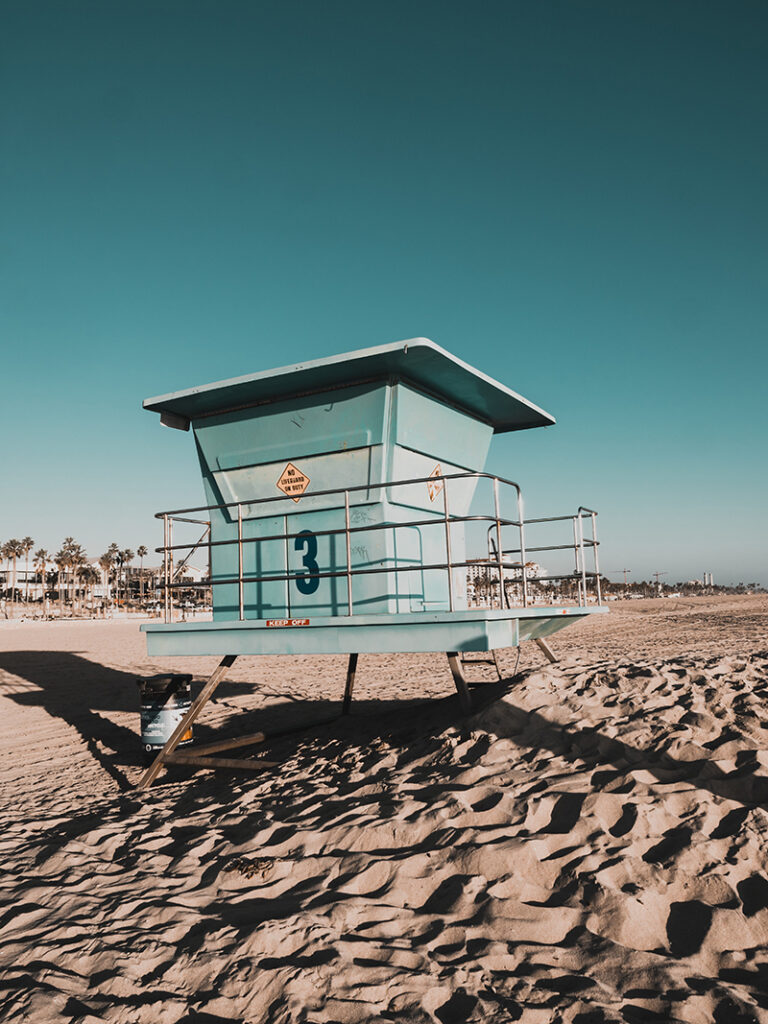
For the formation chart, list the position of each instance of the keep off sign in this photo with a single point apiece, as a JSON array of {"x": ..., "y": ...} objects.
[
  {"x": 293, "y": 482},
  {"x": 434, "y": 486}
]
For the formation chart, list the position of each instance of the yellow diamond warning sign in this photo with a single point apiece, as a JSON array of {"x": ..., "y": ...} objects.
[
  {"x": 293, "y": 482},
  {"x": 434, "y": 486}
]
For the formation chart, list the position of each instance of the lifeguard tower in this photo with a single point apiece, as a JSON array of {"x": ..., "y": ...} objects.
[{"x": 348, "y": 511}]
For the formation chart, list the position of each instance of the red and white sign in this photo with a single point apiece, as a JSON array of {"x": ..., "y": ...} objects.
[
  {"x": 293, "y": 482},
  {"x": 287, "y": 622},
  {"x": 434, "y": 486}
]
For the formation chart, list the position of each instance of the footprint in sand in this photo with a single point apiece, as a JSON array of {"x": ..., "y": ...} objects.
[
  {"x": 674, "y": 841},
  {"x": 625, "y": 822},
  {"x": 731, "y": 824},
  {"x": 753, "y": 893},
  {"x": 687, "y": 927}
]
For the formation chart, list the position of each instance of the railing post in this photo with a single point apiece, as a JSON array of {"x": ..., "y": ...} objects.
[
  {"x": 521, "y": 520},
  {"x": 597, "y": 564},
  {"x": 170, "y": 569},
  {"x": 166, "y": 613},
  {"x": 448, "y": 544},
  {"x": 576, "y": 550},
  {"x": 349, "y": 552},
  {"x": 287, "y": 568},
  {"x": 210, "y": 565},
  {"x": 583, "y": 559},
  {"x": 499, "y": 557},
  {"x": 240, "y": 560}
]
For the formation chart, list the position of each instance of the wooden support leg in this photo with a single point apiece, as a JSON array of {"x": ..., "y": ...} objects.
[
  {"x": 461, "y": 683},
  {"x": 547, "y": 650},
  {"x": 351, "y": 670},
  {"x": 197, "y": 706},
  {"x": 496, "y": 663}
]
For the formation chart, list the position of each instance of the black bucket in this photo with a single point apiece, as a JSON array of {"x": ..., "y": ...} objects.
[{"x": 165, "y": 699}]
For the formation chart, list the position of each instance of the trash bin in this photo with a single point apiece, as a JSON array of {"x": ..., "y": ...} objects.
[{"x": 165, "y": 699}]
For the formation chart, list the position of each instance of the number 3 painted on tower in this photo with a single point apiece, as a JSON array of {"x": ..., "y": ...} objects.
[{"x": 308, "y": 584}]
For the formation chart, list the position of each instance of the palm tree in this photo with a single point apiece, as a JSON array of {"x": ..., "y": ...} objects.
[
  {"x": 41, "y": 561},
  {"x": 126, "y": 556},
  {"x": 12, "y": 550},
  {"x": 66, "y": 553},
  {"x": 61, "y": 558},
  {"x": 141, "y": 551},
  {"x": 483, "y": 586},
  {"x": 26, "y": 545},
  {"x": 89, "y": 575},
  {"x": 113, "y": 553},
  {"x": 76, "y": 561},
  {"x": 106, "y": 567}
]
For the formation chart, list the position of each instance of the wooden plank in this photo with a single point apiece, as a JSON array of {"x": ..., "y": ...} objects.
[
  {"x": 219, "y": 762},
  {"x": 196, "y": 707},
  {"x": 461, "y": 683},
  {"x": 351, "y": 670},
  {"x": 548, "y": 652},
  {"x": 241, "y": 741},
  {"x": 230, "y": 744}
]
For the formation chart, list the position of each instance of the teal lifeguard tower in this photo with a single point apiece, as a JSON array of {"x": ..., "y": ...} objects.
[{"x": 343, "y": 501}]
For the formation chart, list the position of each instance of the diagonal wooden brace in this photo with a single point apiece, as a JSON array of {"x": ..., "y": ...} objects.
[
  {"x": 196, "y": 707},
  {"x": 461, "y": 683},
  {"x": 546, "y": 650}
]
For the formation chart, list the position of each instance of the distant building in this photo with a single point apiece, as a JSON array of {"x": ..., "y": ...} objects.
[
  {"x": 483, "y": 579},
  {"x": 480, "y": 568}
]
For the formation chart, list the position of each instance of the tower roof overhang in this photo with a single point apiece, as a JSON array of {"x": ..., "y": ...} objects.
[{"x": 417, "y": 361}]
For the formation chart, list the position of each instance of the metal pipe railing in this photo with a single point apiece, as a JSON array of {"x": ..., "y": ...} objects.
[
  {"x": 349, "y": 552},
  {"x": 595, "y": 545},
  {"x": 523, "y": 556},
  {"x": 497, "y": 522},
  {"x": 583, "y": 559},
  {"x": 287, "y": 563},
  {"x": 419, "y": 567},
  {"x": 170, "y": 568},
  {"x": 499, "y": 552},
  {"x": 339, "y": 490},
  {"x": 166, "y": 580},
  {"x": 577, "y": 553},
  {"x": 546, "y": 547},
  {"x": 338, "y": 573},
  {"x": 342, "y": 530},
  {"x": 448, "y": 543},
  {"x": 241, "y": 584}
]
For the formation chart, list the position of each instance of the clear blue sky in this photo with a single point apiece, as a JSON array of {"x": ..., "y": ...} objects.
[{"x": 570, "y": 196}]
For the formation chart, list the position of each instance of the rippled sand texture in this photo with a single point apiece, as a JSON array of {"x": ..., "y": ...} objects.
[{"x": 589, "y": 846}]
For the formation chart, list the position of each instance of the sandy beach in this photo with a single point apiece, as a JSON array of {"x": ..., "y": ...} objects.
[{"x": 589, "y": 846}]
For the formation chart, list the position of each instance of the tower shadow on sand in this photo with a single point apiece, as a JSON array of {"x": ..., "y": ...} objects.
[{"x": 86, "y": 695}]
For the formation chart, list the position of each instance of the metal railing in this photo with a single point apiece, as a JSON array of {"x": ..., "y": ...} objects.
[
  {"x": 580, "y": 574},
  {"x": 497, "y": 562}
]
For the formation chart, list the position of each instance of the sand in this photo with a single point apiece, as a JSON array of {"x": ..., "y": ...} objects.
[{"x": 590, "y": 845}]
